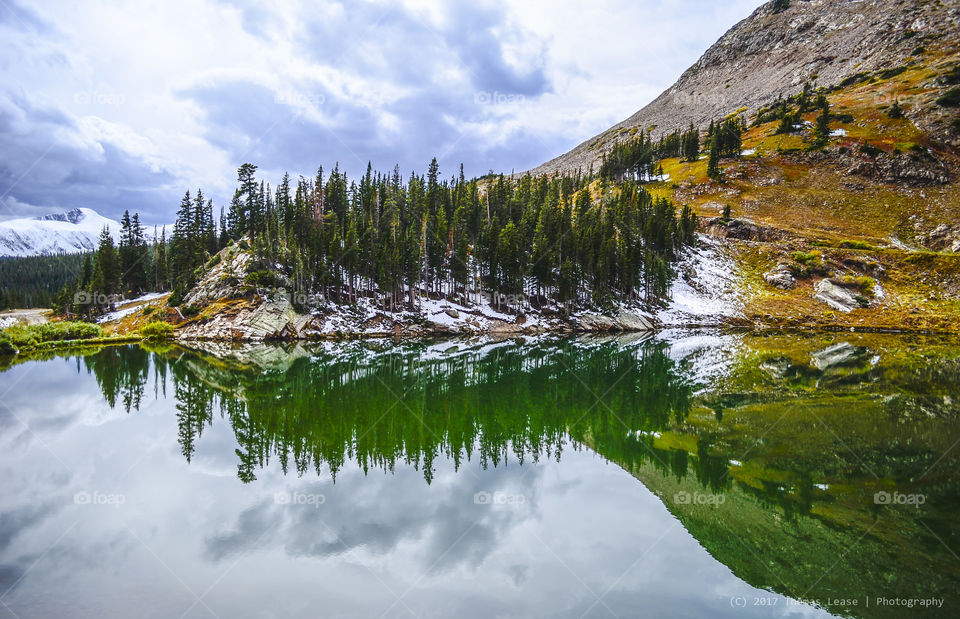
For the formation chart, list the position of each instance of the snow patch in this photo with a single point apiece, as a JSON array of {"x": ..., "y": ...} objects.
[{"x": 704, "y": 293}]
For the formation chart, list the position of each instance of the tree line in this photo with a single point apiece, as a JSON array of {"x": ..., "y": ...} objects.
[{"x": 570, "y": 241}]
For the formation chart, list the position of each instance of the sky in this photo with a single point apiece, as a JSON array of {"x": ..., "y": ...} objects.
[{"x": 116, "y": 106}]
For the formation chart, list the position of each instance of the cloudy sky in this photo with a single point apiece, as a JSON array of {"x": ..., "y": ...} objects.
[{"x": 123, "y": 105}]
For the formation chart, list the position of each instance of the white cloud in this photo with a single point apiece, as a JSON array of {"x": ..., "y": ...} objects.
[{"x": 188, "y": 90}]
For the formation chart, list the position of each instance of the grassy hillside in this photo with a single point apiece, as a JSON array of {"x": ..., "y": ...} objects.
[{"x": 880, "y": 200}]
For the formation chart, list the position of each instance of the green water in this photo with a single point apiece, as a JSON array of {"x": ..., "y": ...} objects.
[{"x": 691, "y": 474}]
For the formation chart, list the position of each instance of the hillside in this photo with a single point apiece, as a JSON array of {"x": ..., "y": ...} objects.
[
  {"x": 860, "y": 229},
  {"x": 773, "y": 54}
]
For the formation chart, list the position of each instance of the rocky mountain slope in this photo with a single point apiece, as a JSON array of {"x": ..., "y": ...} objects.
[
  {"x": 75, "y": 231},
  {"x": 773, "y": 54},
  {"x": 858, "y": 230}
]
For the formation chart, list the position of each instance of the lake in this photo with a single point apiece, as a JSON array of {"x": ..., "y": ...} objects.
[{"x": 688, "y": 474}]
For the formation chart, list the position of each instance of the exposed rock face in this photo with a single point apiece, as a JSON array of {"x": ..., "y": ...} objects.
[
  {"x": 781, "y": 277},
  {"x": 270, "y": 320},
  {"x": 771, "y": 54},
  {"x": 838, "y": 297},
  {"x": 624, "y": 321},
  {"x": 742, "y": 229},
  {"x": 224, "y": 280},
  {"x": 911, "y": 170}
]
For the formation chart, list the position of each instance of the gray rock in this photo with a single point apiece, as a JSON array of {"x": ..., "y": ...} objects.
[
  {"x": 837, "y": 297},
  {"x": 452, "y": 313},
  {"x": 780, "y": 277},
  {"x": 832, "y": 355}
]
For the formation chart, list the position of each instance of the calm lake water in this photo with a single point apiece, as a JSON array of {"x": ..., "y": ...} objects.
[{"x": 686, "y": 475}]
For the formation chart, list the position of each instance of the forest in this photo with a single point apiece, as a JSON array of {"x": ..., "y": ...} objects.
[{"x": 571, "y": 241}]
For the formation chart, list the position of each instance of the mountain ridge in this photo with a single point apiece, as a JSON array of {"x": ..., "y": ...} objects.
[
  {"x": 75, "y": 231},
  {"x": 774, "y": 53}
]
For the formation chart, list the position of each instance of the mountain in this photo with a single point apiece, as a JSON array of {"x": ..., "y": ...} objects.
[
  {"x": 59, "y": 233},
  {"x": 848, "y": 218},
  {"x": 774, "y": 52}
]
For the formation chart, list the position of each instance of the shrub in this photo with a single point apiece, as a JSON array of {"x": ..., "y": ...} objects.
[
  {"x": 870, "y": 150},
  {"x": 243, "y": 244},
  {"x": 149, "y": 310},
  {"x": 213, "y": 261},
  {"x": 7, "y": 346},
  {"x": 857, "y": 245},
  {"x": 157, "y": 330},
  {"x": 26, "y": 336},
  {"x": 888, "y": 73},
  {"x": 952, "y": 77},
  {"x": 951, "y": 98}
]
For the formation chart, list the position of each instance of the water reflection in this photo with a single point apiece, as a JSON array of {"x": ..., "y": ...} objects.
[{"x": 774, "y": 452}]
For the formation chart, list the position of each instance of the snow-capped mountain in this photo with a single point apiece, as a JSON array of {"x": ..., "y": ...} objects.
[{"x": 60, "y": 233}]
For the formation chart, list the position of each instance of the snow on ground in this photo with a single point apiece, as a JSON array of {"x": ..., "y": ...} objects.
[
  {"x": 838, "y": 133},
  {"x": 704, "y": 292},
  {"x": 130, "y": 306},
  {"x": 748, "y": 152}
]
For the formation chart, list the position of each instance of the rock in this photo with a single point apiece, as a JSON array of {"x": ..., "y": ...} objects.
[
  {"x": 623, "y": 321},
  {"x": 780, "y": 277},
  {"x": 837, "y": 297},
  {"x": 742, "y": 229},
  {"x": 452, "y": 313},
  {"x": 832, "y": 355}
]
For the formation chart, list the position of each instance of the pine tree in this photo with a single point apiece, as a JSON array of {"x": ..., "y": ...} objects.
[{"x": 713, "y": 164}]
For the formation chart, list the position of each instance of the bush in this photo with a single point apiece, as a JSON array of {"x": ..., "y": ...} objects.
[
  {"x": 157, "y": 330},
  {"x": 26, "y": 336},
  {"x": 888, "y": 73},
  {"x": 857, "y": 245},
  {"x": 870, "y": 150},
  {"x": 7, "y": 346},
  {"x": 951, "y": 98}
]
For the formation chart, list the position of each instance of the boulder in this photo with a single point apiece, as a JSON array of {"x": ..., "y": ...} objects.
[
  {"x": 780, "y": 277},
  {"x": 837, "y": 297}
]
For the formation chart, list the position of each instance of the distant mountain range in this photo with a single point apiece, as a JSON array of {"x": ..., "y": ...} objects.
[{"x": 75, "y": 231}]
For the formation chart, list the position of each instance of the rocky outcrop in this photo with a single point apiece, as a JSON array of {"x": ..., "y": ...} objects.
[
  {"x": 913, "y": 169},
  {"x": 224, "y": 278},
  {"x": 781, "y": 277},
  {"x": 838, "y": 297},
  {"x": 741, "y": 229},
  {"x": 623, "y": 321}
]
